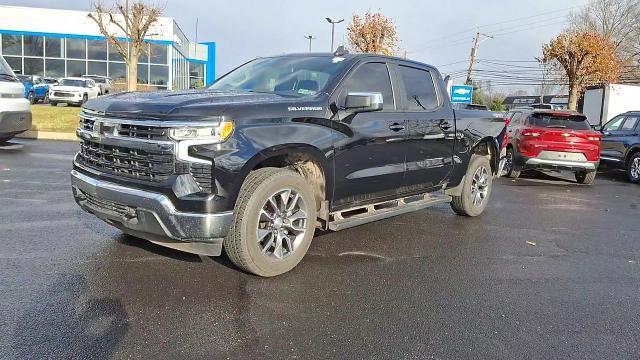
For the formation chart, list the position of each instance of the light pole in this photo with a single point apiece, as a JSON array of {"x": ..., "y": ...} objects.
[
  {"x": 333, "y": 29},
  {"x": 309, "y": 37}
]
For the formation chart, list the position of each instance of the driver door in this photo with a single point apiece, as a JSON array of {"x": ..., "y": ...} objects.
[{"x": 370, "y": 149}]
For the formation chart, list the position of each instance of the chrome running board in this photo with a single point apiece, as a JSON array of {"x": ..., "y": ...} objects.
[{"x": 352, "y": 217}]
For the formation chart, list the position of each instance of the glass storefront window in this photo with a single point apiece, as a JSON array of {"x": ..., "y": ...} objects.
[
  {"x": 15, "y": 63},
  {"x": 118, "y": 72},
  {"x": 114, "y": 55},
  {"x": 34, "y": 66},
  {"x": 76, "y": 48},
  {"x": 11, "y": 45},
  {"x": 159, "y": 75},
  {"x": 76, "y": 68},
  {"x": 53, "y": 47},
  {"x": 33, "y": 45},
  {"x": 144, "y": 54},
  {"x": 54, "y": 68},
  {"x": 97, "y": 49},
  {"x": 97, "y": 68},
  {"x": 143, "y": 74},
  {"x": 158, "y": 54}
]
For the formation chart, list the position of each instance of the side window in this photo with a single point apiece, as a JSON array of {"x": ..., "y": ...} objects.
[
  {"x": 630, "y": 123},
  {"x": 614, "y": 124},
  {"x": 420, "y": 91},
  {"x": 371, "y": 77}
]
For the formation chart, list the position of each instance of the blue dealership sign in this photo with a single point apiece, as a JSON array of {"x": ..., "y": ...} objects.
[{"x": 461, "y": 94}]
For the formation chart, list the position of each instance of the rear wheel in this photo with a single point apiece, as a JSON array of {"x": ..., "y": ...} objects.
[
  {"x": 476, "y": 188},
  {"x": 633, "y": 169},
  {"x": 85, "y": 98},
  {"x": 274, "y": 223},
  {"x": 585, "y": 177},
  {"x": 509, "y": 166}
]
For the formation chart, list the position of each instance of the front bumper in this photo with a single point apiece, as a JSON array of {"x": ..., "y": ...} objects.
[
  {"x": 151, "y": 216},
  {"x": 14, "y": 122},
  {"x": 75, "y": 99}
]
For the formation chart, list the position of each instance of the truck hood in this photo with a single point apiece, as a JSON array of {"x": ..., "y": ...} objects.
[{"x": 185, "y": 103}]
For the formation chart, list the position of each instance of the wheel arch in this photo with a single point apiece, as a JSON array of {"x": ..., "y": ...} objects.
[
  {"x": 488, "y": 146},
  {"x": 632, "y": 151},
  {"x": 305, "y": 159}
]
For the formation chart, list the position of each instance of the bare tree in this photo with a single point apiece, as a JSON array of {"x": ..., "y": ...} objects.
[
  {"x": 619, "y": 22},
  {"x": 131, "y": 22}
]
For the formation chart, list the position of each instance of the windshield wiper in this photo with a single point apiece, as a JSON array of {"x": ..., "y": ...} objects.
[{"x": 415, "y": 97}]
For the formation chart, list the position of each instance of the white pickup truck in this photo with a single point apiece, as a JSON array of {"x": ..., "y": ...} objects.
[{"x": 15, "y": 114}]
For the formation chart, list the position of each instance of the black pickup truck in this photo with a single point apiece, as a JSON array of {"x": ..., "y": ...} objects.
[{"x": 280, "y": 147}]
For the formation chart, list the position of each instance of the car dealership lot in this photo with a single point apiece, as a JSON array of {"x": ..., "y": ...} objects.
[{"x": 551, "y": 269}]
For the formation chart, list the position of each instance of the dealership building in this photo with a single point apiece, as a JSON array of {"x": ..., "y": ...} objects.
[{"x": 58, "y": 43}]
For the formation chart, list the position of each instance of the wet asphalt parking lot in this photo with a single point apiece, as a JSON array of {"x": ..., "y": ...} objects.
[{"x": 551, "y": 270}]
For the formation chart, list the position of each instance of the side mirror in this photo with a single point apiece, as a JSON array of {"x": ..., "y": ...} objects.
[
  {"x": 364, "y": 102},
  {"x": 597, "y": 127}
]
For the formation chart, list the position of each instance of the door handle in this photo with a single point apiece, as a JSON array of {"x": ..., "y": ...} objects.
[
  {"x": 396, "y": 127},
  {"x": 444, "y": 125}
]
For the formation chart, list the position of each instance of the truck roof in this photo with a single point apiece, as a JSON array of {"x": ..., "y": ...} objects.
[{"x": 351, "y": 56}]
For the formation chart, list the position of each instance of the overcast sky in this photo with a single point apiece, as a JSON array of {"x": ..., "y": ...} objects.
[{"x": 434, "y": 32}]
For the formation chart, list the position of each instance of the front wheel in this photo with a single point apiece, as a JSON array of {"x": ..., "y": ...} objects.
[
  {"x": 274, "y": 223},
  {"x": 5, "y": 139},
  {"x": 85, "y": 98},
  {"x": 509, "y": 167},
  {"x": 633, "y": 169},
  {"x": 476, "y": 188},
  {"x": 32, "y": 98},
  {"x": 585, "y": 177}
]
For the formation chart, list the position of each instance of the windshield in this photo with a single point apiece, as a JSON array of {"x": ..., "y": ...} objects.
[
  {"x": 573, "y": 122},
  {"x": 72, "y": 82},
  {"x": 288, "y": 76},
  {"x": 97, "y": 79}
]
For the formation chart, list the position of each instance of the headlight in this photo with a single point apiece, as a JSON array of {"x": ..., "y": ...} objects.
[{"x": 213, "y": 133}]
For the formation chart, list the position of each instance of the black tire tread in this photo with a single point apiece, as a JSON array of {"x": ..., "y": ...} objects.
[
  {"x": 631, "y": 158},
  {"x": 588, "y": 178},
  {"x": 457, "y": 202},
  {"x": 234, "y": 247}
]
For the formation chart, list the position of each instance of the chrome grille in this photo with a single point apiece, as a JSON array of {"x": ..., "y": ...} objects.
[
  {"x": 127, "y": 162},
  {"x": 143, "y": 132}
]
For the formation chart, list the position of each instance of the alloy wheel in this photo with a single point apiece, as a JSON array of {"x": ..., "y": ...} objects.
[
  {"x": 480, "y": 186},
  {"x": 282, "y": 224},
  {"x": 634, "y": 168}
]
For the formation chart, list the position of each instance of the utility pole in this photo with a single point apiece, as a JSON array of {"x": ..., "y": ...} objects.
[
  {"x": 474, "y": 53},
  {"x": 333, "y": 30},
  {"x": 309, "y": 37}
]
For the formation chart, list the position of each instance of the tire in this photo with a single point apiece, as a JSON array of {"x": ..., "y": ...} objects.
[
  {"x": 633, "y": 168},
  {"x": 32, "y": 98},
  {"x": 85, "y": 98},
  {"x": 5, "y": 139},
  {"x": 466, "y": 204},
  {"x": 53, "y": 103},
  {"x": 512, "y": 172},
  {"x": 260, "y": 255},
  {"x": 586, "y": 178},
  {"x": 45, "y": 100}
]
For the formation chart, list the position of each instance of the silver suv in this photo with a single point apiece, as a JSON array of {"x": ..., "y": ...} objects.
[{"x": 103, "y": 82}]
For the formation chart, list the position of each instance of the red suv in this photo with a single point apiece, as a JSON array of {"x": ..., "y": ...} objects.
[{"x": 552, "y": 140}]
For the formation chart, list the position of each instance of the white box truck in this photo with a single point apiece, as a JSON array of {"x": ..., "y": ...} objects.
[{"x": 604, "y": 102}]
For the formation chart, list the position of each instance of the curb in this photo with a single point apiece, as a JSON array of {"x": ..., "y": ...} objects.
[{"x": 47, "y": 135}]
